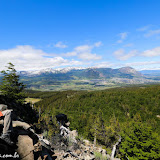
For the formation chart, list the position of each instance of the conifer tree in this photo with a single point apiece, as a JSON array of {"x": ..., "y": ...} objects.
[
  {"x": 139, "y": 142},
  {"x": 10, "y": 85},
  {"x": 97, "y": 127}
]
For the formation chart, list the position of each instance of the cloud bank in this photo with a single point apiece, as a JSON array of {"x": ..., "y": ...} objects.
[
  {"x": 152, "y": 52},
  {"x": 28, "y": 58}
]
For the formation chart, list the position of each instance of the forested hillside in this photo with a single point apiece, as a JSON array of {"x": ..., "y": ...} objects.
[{"x": 105, "y": 115}]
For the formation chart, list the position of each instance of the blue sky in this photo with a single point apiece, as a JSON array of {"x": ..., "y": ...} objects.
[{"x": 39, "y": 34}]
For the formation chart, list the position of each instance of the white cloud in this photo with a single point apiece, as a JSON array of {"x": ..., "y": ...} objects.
[
  {"x": 83, "y": 48},
  {"x": 84, "y": 52},
  {"x": 28, "y": 58},
  {"x": 89, "y": 56},
  {"x": 142, "y": 63},
  {"x": 104, "y": 65},
  {"x": 70, "y": 54},
  {"x": 123, "y": 36},
  {"x": 149, "y": 68},
  {"x": 119, "y": 52},
  {"x": 152, "y": 33},
  {"x": 129, "y": 45},
  {"x": 60, "y": 45},
  {"x": 145, "y": 28},
  {"x": 149, "y": 32},
  {"x": 98, "y": 44},
  {"x": 151, "y": 53},
  {"x": 121, "y": 55},
  {"x": 146, "y": 65}
]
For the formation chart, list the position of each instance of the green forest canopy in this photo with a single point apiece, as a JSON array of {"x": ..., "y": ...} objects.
[{"x": 105, "y": 113}]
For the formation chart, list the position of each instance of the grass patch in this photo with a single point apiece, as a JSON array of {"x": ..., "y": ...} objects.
[
  {"x": 98, "y": 156},
  {"x": 32, "y": 100}
]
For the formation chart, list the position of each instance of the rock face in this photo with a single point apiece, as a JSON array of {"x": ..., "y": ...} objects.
[{"x": 25, "y": 147}]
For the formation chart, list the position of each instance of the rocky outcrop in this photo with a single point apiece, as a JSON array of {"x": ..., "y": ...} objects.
[
  {"x": 68, "y": 146},
  {"x": 82, "y": 150},
  {"x": 28, "y": 145}
]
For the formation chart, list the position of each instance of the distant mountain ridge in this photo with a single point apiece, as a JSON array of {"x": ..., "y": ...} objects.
[
  {"x": 151, "y": 72},
  {"x": 78, "y": 78},
  {"x": 85, "y": 72}
]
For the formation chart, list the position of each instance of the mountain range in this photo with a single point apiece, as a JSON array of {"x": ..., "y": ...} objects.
[
  {"x": 85, "y": 78},
  {"x": 128, "y": 72}
]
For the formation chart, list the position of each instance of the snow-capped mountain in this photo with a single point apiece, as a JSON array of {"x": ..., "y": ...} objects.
[{"x": 49, "y": 70}]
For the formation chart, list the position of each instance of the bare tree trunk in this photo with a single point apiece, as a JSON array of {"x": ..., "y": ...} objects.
[
  {"x": 39, "y": 111},
  {"x": 114, "y": 148},
  {"x": 95, "y": 139}
]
